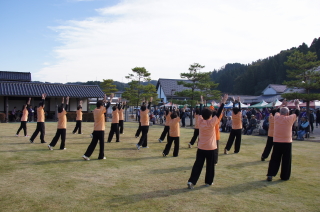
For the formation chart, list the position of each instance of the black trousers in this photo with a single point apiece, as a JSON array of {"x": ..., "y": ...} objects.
[
  {"x": 281, "y": 153},
  {"x": 23, "y": 126},
  {"x": 195, "y": 136},
  {"x": 311, "y": 125},
  {"x": 216, "y": 153},
  {"x": 268, "y": 147},
  {"x": 96, "y": 136},
  {"x": 40, "y": 128},
  {"x": 144, "y": 137},
  {"x": 176, "y": 141},
  {"x": 138, "y": 130},
  {"x": 203, "y": 155},
  {"x": 62, "y": 133},
  {"x": 165, "y": 133},
  {"x": 121, "y": 126},
  {"x": 234, "y": 134},
  {"x": 183, "y": 122},
  {"x": 78, "y": 127},
  {"x": 114, "y": 129}
]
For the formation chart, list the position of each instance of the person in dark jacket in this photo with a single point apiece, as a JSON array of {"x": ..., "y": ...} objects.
[{"x": 311, "y": 120}]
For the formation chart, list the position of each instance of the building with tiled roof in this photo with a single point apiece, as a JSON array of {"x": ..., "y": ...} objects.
[{"x": 16, "y": 88}]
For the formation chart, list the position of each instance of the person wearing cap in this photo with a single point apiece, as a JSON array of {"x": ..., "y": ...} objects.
[{"x": 282, "y": 142}]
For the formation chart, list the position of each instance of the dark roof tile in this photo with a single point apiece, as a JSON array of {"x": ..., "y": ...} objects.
[{"x": 15, "y": 76}]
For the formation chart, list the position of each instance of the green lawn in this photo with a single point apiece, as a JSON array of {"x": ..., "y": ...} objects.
[{"x": 32, "y": 178}]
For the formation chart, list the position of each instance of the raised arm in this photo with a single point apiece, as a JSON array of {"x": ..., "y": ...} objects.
[
  {"x": 201, "y": 105},
  {"x": 109, "y": 102},
  {"x": 223, "y": 101},
  {"x": 149, "y": 105},
  {"x": 296, "y": 103},
  {"x": 67, "y": 103},
  {"x": 239, "y": 103}
]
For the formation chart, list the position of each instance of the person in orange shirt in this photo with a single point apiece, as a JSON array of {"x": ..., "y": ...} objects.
[
  {"x": 121, "y": 118},
  {"x": 99, "y": 127},
  {"x": 282, "y": 142},
  {"x": 62, "y": 126},
  {"x": 174, "y": 134},
  {"x": 236, "y": 128},
  {"x": 114, "y": 129},
  {"x": 144, "y": 120},
  {"x": 165, "y": 132},
  {"x": 207, "y": 145},
  {"x": 40, "y": 121},
  {"x": 269, "y": 143},
  {"x": 24, "y": 119},
  {"x": 196, "y": 128},
  {"x": 78, "y": 119}
]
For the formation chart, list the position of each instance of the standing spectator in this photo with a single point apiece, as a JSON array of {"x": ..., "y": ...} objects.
[
  {"x": 311, "y": 120},
  {"x": 245, "y": 124},
  {"x": 31, "y": 112},
  {"x": 13, "y": 114},
  {"x": 252, "y": 124},
  {"x": 183, "y": 117},
  {"x": 317, "y": 118},
  {"x": 229, "y": 124}
]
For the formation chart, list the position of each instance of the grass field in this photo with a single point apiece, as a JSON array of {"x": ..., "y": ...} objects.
[{"x": 32, "y": 178}]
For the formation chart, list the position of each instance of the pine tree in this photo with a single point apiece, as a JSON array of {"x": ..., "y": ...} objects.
[{"x": 108, "y": 87}]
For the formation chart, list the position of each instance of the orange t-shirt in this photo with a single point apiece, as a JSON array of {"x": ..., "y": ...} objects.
[
  {"x": 115, "y": 116},
  {"x": 144, "y": 118},
  {"x": 271, "y": 125},
  {"x": 168, "y": 118},
  {"x": 25, "y": 114},
  {"x": 196, "y": 117},
  {"x": 99, "y": 119},
  {"x": 174, "y": 127},
  {"x": 237, "y": 121},
  {"x": 62, "y": 120},
  {"x": 121, "y": 114},
  {"x": 79, "y": 115},
  {"x": 217, "y": 128},
  {"x": 207, "y": 135},
  {"x": 40, "y": 114},
  {"x": 283, "y": 128}
]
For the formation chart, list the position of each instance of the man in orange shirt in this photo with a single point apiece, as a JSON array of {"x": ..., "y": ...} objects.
[
  {"x": 174, "y": 134},
  {"x": 99, "y": 127},
  {"x": 269, "y": 143},
  {"x": 62, "y": 126},
  {"x": 206, "y": 145},
  {"x": 40, "y": 121},
  {"x": 144, "y": 120},
  {"x": 165, "y": 131},
  {"x": 114, "y": 129},
  {"x": 78, "y": 119},
  {"x": 24, "y": 119},
  {"x": 236, "y": 130},
  {"x": 121, "y": 118},
  {"x": 282, "y": 142}
]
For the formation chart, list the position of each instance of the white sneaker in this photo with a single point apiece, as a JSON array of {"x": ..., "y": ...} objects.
[
  {"x": 207, "y": 185},
  {"x": 91, "y": 135},
  {"x": 104, "y": 158},
  {"x": 31, "y": 141},
  {"x": 190, "y": 185},
  {"x": 138, "y": 147},
  {"x": 85, "y": 157},
  {"x": 26, "y": 136},
  {"x": 63, "y": 149},
  {"x": 17, "y": 135},
  {"x": 189, "y": 145},
  {"x": 160, "y": 140},
  {"x": 50, "y": 147}
]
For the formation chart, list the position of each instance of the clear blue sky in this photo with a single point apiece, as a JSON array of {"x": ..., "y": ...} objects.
[{"x": 82, "y": 40}]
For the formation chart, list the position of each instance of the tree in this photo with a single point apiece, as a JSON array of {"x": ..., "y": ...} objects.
[
  {"x": 304, "y": 74},
  {"x": 108, "y": 87},
  {"x": 137, "y": 91},
  {"x": 199, "y": 84}
]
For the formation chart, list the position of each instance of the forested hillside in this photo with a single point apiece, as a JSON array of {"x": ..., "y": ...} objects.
[{"x": 252, "y": 78}]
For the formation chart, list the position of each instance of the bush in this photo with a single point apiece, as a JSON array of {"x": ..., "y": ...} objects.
[
  {"x": 2, "y": 117},
  {"x": 71, "y": 116},
  {"x": 87, "y": 117}
]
